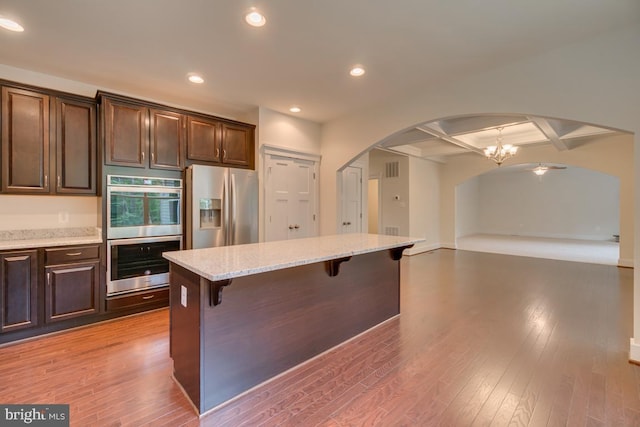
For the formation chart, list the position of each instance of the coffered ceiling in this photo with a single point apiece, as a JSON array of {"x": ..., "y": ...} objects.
[{"x": 435, "y": 140}]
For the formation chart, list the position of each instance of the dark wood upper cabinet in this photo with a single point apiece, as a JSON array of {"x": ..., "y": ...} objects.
[
  {"x": 203, "y": 140},
  {"x": 126, "y": 133},
  {"x": 220, "y": 143},
  {"x": 76, "y": 147},
  {"x": 167, "y": 140},
  {"x": 237, "y": 145},
  {"x": 48, "y": 142},
  {"x": 148, "y": 135},
  {"x": 25, "y": 141},
  {"x": 18, "y": 290}
]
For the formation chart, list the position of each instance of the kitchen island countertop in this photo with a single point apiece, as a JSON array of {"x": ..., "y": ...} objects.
[{"x": 228, "y": 262}]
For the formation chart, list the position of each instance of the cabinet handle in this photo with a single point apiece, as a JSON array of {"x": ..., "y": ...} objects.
[
  {"x": 48, "y": 279},
  {"x": 46, "y": 180},
  {"x": 143, "y": 156},
  {"x": 217, "y": 152},
  {"x": 73, "y": 253},
  {"x": 59, "y": 181},
  {"x": 148, "y": 296},
  {"x": 224, "y": 154},
  {"x": 153, "y": 157}
]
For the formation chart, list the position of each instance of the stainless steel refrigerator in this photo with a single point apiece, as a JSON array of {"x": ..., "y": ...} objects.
[{"x": 221, "y": 206}]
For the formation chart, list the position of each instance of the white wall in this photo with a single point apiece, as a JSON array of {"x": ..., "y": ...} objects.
[
  {"x": 467, "y": 206},
  {"x": 424, "y": 202},
  {"x": 394, "y": 192},
  {"x": 417, "y": 212},
  {"x": 38, "y": 212},
  {"x": 575, "y": 203}
]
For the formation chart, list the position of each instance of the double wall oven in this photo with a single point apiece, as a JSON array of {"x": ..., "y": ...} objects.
[{"x": 144, "y": 219}]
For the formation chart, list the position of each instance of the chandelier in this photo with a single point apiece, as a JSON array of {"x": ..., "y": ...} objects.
[{"x": 499, "y": 152}]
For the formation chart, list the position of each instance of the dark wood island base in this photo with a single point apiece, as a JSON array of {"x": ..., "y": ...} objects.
[{"x": 234, "y": 334}]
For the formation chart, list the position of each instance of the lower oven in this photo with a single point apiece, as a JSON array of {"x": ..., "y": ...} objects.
[{"x": 137, "y": 263}]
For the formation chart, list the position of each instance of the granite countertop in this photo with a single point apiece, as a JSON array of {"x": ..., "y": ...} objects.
[
  {"x": 228, "y": 262},
  {"x": 49, "y": 237}
]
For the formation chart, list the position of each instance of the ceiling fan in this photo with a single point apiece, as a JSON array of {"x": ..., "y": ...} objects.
[{"x": 542, "y": 169}]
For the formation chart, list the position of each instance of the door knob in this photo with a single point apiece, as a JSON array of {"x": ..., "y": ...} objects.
[
  {"x": 291, "y": 227},
  {"x": 296, "y": 226}
]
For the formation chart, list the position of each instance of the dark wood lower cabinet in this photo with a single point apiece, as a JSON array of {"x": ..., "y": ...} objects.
[
  {"x": 71, "y": 290},
  {"x": 18, "y": 290},
  {"x": 151, "y": 298}
]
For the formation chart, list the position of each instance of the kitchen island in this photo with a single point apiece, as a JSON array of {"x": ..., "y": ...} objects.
[{"x": 241, "y": 315}]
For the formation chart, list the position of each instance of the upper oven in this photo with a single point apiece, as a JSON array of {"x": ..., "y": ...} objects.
[{"x": 143, "y": 207}]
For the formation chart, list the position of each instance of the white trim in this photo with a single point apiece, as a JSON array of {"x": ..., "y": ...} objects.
[
  {"x": 275, "y": 150},
  {"x": 634, "y": 351},
  {"x": 421, "y": 248},
  {"x": 625, "y": 262}
]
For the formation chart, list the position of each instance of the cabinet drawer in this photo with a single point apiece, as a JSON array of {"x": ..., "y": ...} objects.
[
  {"x": 71, "y": 254},
  {"x": 158, "y": 297}
]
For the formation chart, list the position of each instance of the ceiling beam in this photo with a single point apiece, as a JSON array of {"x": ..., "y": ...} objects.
[
  {"x": 551, "y": 134},
  {"x": 427, "y": 129}
]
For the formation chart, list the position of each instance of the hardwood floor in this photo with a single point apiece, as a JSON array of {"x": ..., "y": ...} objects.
[{"x": 483, "y": 339}]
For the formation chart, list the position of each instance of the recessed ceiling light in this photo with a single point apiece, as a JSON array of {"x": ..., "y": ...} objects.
[
  {"x": 357, "y": 71},
  {"x": 10, "y": 25},
  {"x": 195, "y": 78},
  {"x": 295, "y": 109},
  {"x": 255, "y": 18}
]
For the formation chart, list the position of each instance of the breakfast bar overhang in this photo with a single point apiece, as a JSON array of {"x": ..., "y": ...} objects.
[{"x": 241, "y": 315}]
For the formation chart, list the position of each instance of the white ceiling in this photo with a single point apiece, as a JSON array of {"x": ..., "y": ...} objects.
[{"x": 302, "y": 56}]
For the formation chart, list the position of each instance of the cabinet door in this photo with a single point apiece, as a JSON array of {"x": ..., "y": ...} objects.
[
  {"x": 126, "y": 133},
  {"x": 18, "y": 290},
  {"x": 25, "y": 141},
  {"x": 203, "y": 140},
  {"x": 167, "y": 140},
  {"x": 71, "y": 290},
  {"x": 76, "y": 147},
  {"x": 237, "y": 145}
]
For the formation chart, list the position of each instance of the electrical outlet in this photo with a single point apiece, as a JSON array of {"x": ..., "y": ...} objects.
[{"x": 183, "y": 296}]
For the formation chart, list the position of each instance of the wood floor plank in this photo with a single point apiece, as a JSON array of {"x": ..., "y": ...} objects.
[{"x": 482, "y": 339}]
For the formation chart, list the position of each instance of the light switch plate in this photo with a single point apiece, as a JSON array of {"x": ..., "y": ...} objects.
[{"x": 183, "y": 296}]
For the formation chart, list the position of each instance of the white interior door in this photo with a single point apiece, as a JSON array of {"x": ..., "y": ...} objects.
[
  {"x": 290, "y": 190},
  {"x": 352, "y": 200}
]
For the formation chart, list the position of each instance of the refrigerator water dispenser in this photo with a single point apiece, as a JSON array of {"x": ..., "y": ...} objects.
[{"x": 210, "y": 213}]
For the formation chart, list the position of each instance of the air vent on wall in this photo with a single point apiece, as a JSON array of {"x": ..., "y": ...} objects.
[
  {"x": 391, "y": 169},
  {"x": 391, "y": 231}
]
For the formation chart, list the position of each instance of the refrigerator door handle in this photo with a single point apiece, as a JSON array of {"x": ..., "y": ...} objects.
[
  {"x": 226, "y": 214},
  {"x": 234, "y": 205}
]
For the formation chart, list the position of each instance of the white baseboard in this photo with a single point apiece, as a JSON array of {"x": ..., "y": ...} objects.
[
  {"x": 422, "y": 247},
  {"x": 625, "y": 262},
  {"x": 634, "y": 351}
]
